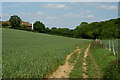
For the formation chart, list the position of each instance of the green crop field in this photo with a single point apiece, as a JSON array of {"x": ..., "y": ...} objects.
[
  {"x": 32, "y": 55},
  {"x": 36, "y": 55},
  {"x": 0, "y": 53}
]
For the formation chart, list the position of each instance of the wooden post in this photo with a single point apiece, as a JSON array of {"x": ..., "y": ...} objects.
[
  {"x": 113, "y": 48},
  {"x": 109, "y": 46},
  {"x": 106, "y": 45}
]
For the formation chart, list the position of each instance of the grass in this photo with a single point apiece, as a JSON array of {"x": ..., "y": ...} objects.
[
  {"x": 0, "y": 53},
  {"x": 34, "y": 55},
  {"x": 97, "y": 60},
  {"x": 102, "y": 58},
  {"x": 115, "y": 43},
  {"x": 73, "y": 57},
  {"x": 93, "y": 69},
  {"x": 77, "y": 71}
]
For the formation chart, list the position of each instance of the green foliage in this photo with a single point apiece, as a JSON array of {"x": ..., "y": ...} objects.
[
  {"x": 77, "y": 72},
  {"x": 112, "y": 70},
  {"x": 1, "y": 53},
  {"x": 23, "y": 27},
  {"x": 98, "y": 61},
  {"x": 73, "y": 58},
  {"x": 101, "y": 56},
  {"x": 5, "y": 25},
  {"x": 83, "y": 24},
  {"x": 39, "y": 26},
  {"x": 102, "y": 30},
  {"x": 95, "y": 30},
  {"x": 33, "y": 55},
  {"x": 15, "y": 21},
  {"x": 60, "y": 31}
]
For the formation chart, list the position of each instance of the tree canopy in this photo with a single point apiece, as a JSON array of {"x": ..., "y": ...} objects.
[
  {"x": 39, "y": 26},
  {"x": 102, "y": 30},
  {"x": 15, "y": 21},
  {"x": 94, "y": 30}
]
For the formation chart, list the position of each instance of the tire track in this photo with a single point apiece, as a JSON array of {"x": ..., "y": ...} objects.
[
  {"x": 64, "y": 70},
  {"x": 96, "y": 67},
  {"x": 85, "y": 63}
]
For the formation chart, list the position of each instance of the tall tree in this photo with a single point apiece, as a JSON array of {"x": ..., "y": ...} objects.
[
  {"x": 83, "y": 23},
  {"x": 15, "y": 21},
  {"x": 39, "y": 27}
]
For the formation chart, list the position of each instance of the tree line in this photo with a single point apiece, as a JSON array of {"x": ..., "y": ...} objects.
[{"x": 94, "y": 30}]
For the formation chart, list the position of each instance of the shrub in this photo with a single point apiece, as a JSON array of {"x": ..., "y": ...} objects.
[{"x": 112, "y": 71}]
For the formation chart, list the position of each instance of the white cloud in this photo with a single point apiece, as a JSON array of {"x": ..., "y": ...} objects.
[
  {"x": 51, "y": 17},
  {"x": 31, "y": 16},
  {"x": 108, "y": 7},
  {"x": 71, "y": 15},
  {"x": 39, "y": 13},
  {"x": 56, "y": 6},
  {"x": 32, "y": 13},
  {"x": 76, "y": 15}
]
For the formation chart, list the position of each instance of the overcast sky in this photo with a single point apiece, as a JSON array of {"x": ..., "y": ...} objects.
[{"x": 61, "y": 14}]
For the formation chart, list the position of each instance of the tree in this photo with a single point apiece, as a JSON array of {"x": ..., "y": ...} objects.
[
  {"x": 15, "y": 21},
  {"x": 83, "y": 23},
  {"x": 47, "y": 30},
  {"x": 39, "y": 27}
]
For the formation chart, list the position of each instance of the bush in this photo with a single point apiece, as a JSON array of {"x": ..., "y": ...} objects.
[
  {"x": 112, "y": 71},
  {"x": 5, "y": 25},
  {"x": 22, "y": 27}
]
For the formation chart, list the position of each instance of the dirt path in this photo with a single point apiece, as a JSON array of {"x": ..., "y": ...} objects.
[
  {"x": 64, "y": 70},
  {"x": 85, "y": 63}
]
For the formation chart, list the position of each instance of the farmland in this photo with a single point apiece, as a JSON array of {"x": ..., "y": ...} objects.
[
  {"x": 36, "y": 55},
  {"x": 31, "y": 55},
  {"x": 59, "y": 40},
  {"x": 0, "y": 53}
]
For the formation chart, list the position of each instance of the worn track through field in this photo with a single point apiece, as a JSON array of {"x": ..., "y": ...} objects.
[
  {"x": 84, "y": 64},
  {"x": 96, "y": 67},
  {"x": 64, "y": 70}
]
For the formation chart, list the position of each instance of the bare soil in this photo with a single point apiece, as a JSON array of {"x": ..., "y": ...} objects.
[
  {"x": 64, "y": 70},
  {"x": 85, "y": 63}
]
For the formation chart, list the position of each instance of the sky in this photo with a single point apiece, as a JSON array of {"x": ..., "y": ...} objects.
[
  {"x": 60, "y": 14},
  {"x": 60, "y": 0}
]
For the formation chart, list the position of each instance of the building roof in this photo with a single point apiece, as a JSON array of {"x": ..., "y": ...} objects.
[{"x": 27, "y": 23}]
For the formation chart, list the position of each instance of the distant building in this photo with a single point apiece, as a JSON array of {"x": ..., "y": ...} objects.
[
  {"x": 4, "y": 22},
  {"x": 29, "y": 26}
]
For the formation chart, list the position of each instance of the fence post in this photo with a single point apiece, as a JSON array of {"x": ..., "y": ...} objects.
[
  {"x": 106, "y": 46},
  {"x": 109, "y": 46},
  {"x": 113, "y": 48}
]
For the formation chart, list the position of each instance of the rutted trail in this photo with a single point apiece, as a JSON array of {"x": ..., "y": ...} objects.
[
  {"x": 85, "y": 63},
  {"x": 64, "y": 70},
  {"x": 96, "y": 67}
]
